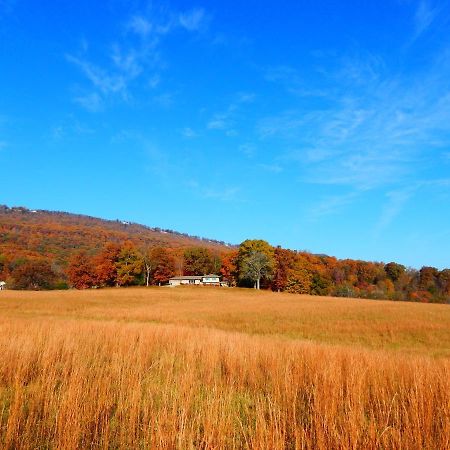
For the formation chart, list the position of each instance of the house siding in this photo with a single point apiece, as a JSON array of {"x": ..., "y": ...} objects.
[{"x": 200, "y": 280}]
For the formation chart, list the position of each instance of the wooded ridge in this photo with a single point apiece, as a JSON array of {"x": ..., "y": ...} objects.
[{"x": 54, "y": 250}]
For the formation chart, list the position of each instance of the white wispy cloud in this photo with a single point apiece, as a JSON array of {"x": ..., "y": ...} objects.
[
  {"x": 375, "y": 129},
  {"x": 218, "y": 122},
  {"x": 291, "y": 80},
  {"x": 138, "y": 54},
  {"x": 274, "y": 168},
  {"x": 155, "y": 158},
  {"x": 424, "y": 17},
  {"x": 396, "y": 201},
  {"x": 93, "y": 102},
  {"x": 228, "y": 119},
  {"x": 368, "y": 135},
  {"x": 151, "y": 25},
  {"x": 105, "y": 81},
  {"x": 70, "y": 126},
  {"x": 245, "y": 97},
  {"x": 154, "y": 81},
  {"x": 140, "y": 25},
  {"x": 166, "y": 99},
  {"x": 332, "y": 204},
  {"x": 248, "y": 149},
  {"x": 222, "y": 193},
  {"x": 193, "y": 20},
  {"x": 188, "y": 133}
]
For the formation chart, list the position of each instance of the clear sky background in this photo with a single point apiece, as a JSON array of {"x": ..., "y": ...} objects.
[{"x": 317, "y": 125}]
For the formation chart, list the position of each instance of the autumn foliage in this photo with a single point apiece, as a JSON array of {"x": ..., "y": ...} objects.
[
  {"x": 84, "y": 252},
  {"x": 81, "y": 272}
]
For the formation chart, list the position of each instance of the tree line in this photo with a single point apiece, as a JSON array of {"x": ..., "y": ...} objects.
[{"x": 255, "y": 263}]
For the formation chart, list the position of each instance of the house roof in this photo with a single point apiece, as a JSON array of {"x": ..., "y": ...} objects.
[
  {"x": 188, "y": 277},
  {"x": 194, "y": 277}
]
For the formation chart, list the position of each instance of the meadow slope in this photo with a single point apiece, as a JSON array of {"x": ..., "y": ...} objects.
[{"x": 221, "y": 368}]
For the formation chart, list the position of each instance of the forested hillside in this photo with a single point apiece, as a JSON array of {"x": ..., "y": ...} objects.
[
  {"x": 47, "y": 250},
  {"x": 32, "y": 240},
  {"x": 56, "y": 235}
]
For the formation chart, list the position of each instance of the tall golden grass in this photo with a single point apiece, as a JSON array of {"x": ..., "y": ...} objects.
[{"x": 193, "y": 368}]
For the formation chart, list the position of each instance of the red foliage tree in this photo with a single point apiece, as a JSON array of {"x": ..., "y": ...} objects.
[
  {"x": 285, "y": 261},
  {"x": 444, "y": 282},
  {"x": 228, "y": 268},
  {"x": 34, "y": 275},
  {"x": 81, "y": 272},
  {"x": 427, "y": 278},
  {"x": 161, "y": 265},
  {"x": 105, "y": 264}
]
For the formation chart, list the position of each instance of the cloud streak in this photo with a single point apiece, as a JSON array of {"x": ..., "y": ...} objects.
[
  {"x": 397, "y": 200},
  {"x": 228, "y": 119},
  {"x": 331, "y": 205},
  {"x": 137, "y": 55},
  {"x": 368, "y": 135},
  {"x": 424, "y": 18},
  {"x": 193, "y": 20},
  {"x": 371, "y": 128}
]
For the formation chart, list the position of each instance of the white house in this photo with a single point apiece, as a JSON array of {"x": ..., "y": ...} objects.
[
  {"x": 211, "y": 279},
  {"x": 206, "y": 280},
  {"x": 185, "y": 279},
  {"x": 2, "y": 285}
]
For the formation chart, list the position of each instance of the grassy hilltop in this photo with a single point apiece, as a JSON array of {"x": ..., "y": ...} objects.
[{"x": 221, "y": 368}]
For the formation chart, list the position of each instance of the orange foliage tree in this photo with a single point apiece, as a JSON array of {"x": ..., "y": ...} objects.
[
  {"x": 105, "y": 264},
  {"x": 80, "y": 272}
]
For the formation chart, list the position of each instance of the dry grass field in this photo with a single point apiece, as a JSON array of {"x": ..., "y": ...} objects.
[{"x": 221, "y": 368}]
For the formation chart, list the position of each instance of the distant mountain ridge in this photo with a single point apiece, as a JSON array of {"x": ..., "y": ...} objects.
[{"x": 57, "y": 234}]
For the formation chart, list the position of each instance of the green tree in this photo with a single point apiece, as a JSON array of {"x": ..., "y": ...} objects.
[
  {"x": 256, "y": 266},
  {"x": 129, "y": 265},
  {"x": 394, "y": 271},
  {"x": 197, "y": 261},
  {"x": 256, "y": 261},
  {"x": 320, "y": 284},
  {"x": 216, "y": 262}
]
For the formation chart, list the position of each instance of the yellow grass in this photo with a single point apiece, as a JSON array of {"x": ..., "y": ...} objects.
[{"x": 221, "y": 368}]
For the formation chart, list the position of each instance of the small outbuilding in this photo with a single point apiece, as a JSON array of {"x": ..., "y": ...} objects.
[{"x": 2, "y": 285}]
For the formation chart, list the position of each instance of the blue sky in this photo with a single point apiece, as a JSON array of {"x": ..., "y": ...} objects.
[{"x": 322, "y": 126}]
